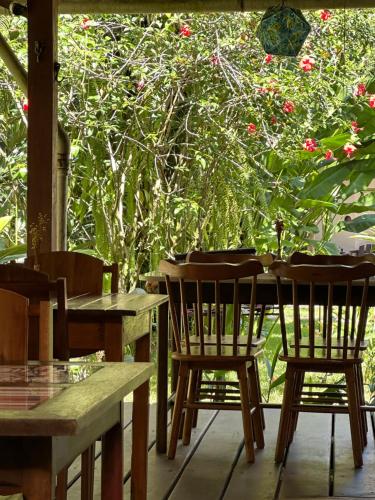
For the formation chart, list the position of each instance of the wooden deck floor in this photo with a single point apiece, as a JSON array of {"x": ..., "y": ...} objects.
[{"x": 319, "y": 463}]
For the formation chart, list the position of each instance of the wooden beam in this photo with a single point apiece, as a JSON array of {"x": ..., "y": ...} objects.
[
  {"x": 42, "y": 120},
  {"x": 160, "y": 6}
]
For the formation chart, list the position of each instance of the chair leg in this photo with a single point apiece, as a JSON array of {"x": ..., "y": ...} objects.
[
  {"x": 195, "y": 411},
  {"x": 354, "y": 416},
  {"x": 255, "y": 402},
  {"x": 261, "y": 320},
  {"x": 178, "y": 407},
  {"x": 246, "y": 414},
  {"x": 259, "y": 392},
  {"x": 285, "y": 416},
  {"x": 189, "y": 413},
  {"x": 361, "y": 395},
  {"x": 87, "y": 473},
  {"x": 298, "y": 386},
  {"x": 62, "y": 484}
]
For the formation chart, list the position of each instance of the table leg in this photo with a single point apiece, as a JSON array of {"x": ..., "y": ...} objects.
[
  {"x": 113, "y": 341},
  {"x": 140, "y": 427},
  {"x": 112, "y": 462},
  {"x": 20, "y": 464},
  {"x": 162, "y": 382}
]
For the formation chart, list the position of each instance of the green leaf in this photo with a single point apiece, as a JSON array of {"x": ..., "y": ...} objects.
[
  {"x": 359, "y": 224},
  {"x": 309, "y": 203},
  {"x": 280, "y": 380},
  {"x": 12, "y": 253},
  {"x": 335, "y": 141},
  {"x": 4, "y": 221},
  {"x": 325, "y": 181}
]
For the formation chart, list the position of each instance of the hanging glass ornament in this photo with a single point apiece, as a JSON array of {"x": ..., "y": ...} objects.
[{"x": 283, "y": 30}]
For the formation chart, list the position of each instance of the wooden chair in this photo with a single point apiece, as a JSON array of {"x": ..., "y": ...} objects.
[
  {"x": 321, "y": 260},
  {"x": 331, "y": 353},
  {"x": 235, "y": 258},
  {"x": 197, "y": 352},
  {"x": 26, "y": 322},
  {"x": 44, "y": 342},
  {"x": 84, "y": 273},
  {"x": 344, "y": 260},
  {"x": 228, "y": 251},
  {"x": 14, "y": 319}
]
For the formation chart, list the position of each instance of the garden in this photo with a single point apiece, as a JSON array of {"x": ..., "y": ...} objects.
[{"x": 186, "y": 135}]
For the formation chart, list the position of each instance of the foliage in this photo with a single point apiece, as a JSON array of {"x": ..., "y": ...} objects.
[{"x": 184, "y": 135}]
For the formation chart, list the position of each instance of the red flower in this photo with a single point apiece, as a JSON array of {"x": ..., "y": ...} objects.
[
  {"x": 310, "y": 145},
  {"x": 185, "y": 30},
  {"x": 371, "y": 101},
  {"x": 355, "y": 127},
  {"x": 262, "y": 90},
  {"x": 273, "y": 120},
  {"x": 288, "y": 107},
  {"x": 25, "y": 104},
  {"x": 268, "y": 58},
  {"x": 140, "y": 85},
  {"x": 360, "y": 90},
  {"x": 85, "y": 23},
  {"x": 251, "y": 128},
  {"x": 214, "y": 59},
  {"x": 349, "y": 149},
  {"x": 325, "y": 15},
  {"x": 307, "y": 63},
  {"x": 329, "y": 155}
]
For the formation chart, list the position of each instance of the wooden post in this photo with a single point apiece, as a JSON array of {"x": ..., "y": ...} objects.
[{"x": 42, "y": 119}]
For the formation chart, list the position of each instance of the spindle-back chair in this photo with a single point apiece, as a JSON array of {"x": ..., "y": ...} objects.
[
  {"x": 195, "y": 352},
  {"x": 235, "y": 258},
  {"x": 335, "y": 352}
]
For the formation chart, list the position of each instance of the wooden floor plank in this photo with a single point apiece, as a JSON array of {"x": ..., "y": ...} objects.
[
  {"x": 305, "y": 476},
  {"x": 162, "y": 473},
  {"x": 259, "y": 479},
  {"x": 210, "y": 465},
  {"x": 349, "y": 481},
  {"x": 307, "y": 469}
]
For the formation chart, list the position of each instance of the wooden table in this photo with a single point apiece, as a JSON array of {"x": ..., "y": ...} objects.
[
  {"x": 111, "y": 322},
  {"x": 266, "y": 295},
  {"x": 46, "y": 421}
]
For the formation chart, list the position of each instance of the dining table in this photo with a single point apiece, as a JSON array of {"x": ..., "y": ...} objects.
[
  {"x": 50, "y": 412},
  {"x": 111, "y": 321},
  {"x": 266, "y": 294}
]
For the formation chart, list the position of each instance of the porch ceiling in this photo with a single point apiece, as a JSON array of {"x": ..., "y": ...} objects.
[{"x": 149, "y": 6}]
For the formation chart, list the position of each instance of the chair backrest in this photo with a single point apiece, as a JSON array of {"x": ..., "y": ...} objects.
[
  {"x": 211, "y": 281},
  {"x": 321, "y": 260},
  {"x": 41, "y": 293},
  {"x": 233, "y": 258},
  {"x": 326, "y": 285},
  {"x": 83, "y": 272},
  {"x": 231, "y": 251},
  {"x": 14, "y": 319}
]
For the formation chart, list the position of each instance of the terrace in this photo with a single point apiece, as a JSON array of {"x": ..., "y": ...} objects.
[{"x": 319, "y": 462}]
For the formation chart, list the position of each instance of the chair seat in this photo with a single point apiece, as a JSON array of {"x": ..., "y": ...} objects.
[
  {"x": 320, "y": 359},
  {"x": 320, "y": 352},
  {"x": 212, "y": 356},
  {"x": 227, "y": 340},
  {"x": 336, "y": 344}
]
